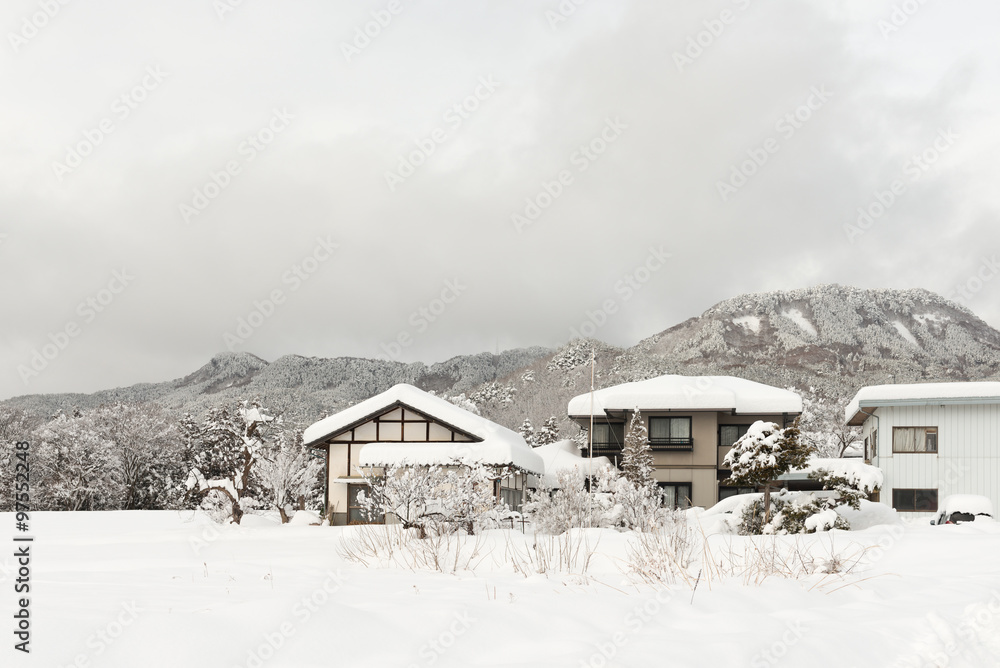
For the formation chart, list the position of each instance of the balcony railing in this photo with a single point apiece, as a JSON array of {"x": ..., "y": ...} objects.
[
  {"x": 672, "y": 443},
  {"x": 604, "y": 450}
]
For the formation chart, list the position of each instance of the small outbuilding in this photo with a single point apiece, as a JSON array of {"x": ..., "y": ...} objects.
[{"x": 407, "y": 426}]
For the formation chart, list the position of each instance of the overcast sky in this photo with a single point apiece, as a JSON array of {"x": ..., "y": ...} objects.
[{"x": 167, "y": 169}]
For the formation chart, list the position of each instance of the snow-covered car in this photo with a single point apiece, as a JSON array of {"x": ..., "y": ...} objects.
[{"x": 959, "y": 508}]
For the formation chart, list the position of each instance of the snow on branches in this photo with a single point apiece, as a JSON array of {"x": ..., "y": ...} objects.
[{"x": 432, "y": 498}]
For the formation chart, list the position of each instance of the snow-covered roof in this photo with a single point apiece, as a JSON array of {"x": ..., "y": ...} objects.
[
  {"x": 861, "y": 476},
  {"x": 719, "y": 393},
  {"x": 491, "y": 452},
  {"x": 563, "y": 456},
  {"x": 498, "y": 445},
  {"x": 919, "y": 394}
]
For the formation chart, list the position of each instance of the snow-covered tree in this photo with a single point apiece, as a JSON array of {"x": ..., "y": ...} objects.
[
  {"x": 765, "y": 452},
  {"x": 288, "y": 472},
  {"x": 549, "y": 432},
  {"x": 428, "y": 498},
  {"x": 225, "y": 471},
  {"x": 146, "y": 443},
  {"x": 527, "y": 432},
  {"x": 74, "y": 467},
  {"x": 637, "y": 455},
  {"x": 15, "y": 426}
]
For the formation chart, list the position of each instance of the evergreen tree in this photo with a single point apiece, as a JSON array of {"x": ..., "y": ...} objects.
[
  {"x": 637, "y": 455},
  {"x": 549, "y": 433},
  {"x": 765, "y": 452},
  {"x": 527, "y": 432}
]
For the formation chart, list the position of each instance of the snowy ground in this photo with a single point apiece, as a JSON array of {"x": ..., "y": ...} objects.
[{"x": 135, "y": 589}]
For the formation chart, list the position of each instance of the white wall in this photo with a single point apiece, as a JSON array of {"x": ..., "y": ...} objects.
[{"x": 968, "y": 459}]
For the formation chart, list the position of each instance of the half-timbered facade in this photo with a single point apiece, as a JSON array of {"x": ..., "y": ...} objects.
[{"x": 405, "y": 425}]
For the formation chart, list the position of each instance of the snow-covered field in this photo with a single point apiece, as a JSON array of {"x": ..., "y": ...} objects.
[{"x": 136, "y": 589}]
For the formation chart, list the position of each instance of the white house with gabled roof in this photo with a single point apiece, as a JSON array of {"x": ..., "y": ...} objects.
[
  {"x": 931, "y": 440},
  {"x": 692, "y": 422},
  {"x": 407, "y": 426}
]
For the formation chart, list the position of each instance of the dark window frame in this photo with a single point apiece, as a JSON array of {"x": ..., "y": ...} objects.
[
  {"x": 675, "y": 485},
  {"x": 670, "y": 442},
  {"x": 609, "y": 447},
  {"x": 900, "y": 497}
]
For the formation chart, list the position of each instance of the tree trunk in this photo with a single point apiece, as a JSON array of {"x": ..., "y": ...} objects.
[
  {"x": 284, "y": 515},
  {"x": 767, "y": 503}
]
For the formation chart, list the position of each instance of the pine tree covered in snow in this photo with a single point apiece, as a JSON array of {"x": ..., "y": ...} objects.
[
  {"x": 765, "y": 452},
  {"x": 226, "y": 472},
  {"x": 637, "y": 455},
  {"x": 549, "y": 432},
  {"x": 527, "y": 432}
]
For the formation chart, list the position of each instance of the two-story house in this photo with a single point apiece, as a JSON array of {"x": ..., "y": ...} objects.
[{"x": 692, "y": 422}]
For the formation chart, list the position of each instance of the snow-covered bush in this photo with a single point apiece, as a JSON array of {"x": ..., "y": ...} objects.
[
  {"x": 792, "y": 513},
  {"x": 615, "y": 502},
  {"x": 432, "y": 499},
  {"x": 289, "y": 474}
]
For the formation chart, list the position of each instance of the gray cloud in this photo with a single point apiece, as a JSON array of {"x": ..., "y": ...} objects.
[{"x": 650, "y": 182}]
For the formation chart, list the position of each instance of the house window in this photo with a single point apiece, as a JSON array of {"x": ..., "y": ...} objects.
[
  {"x": 670, "y": 433},
  {"x": 875, "y": 443},
  {"x": 355, "y": 513},
  {"x": 608, "y": 437},
  {"x": 915, "y": 439},
  {"x": 730, "y": 433},
  {"x": 725, "y": 491},
  {"x": 675, "y": 494},
  {"x": 915, "y": 500}
]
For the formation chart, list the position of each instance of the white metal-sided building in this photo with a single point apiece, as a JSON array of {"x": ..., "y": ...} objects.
[{"x": 931, "y": 440}]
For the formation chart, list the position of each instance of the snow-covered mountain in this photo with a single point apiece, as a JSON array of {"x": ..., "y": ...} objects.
[
  {"x": 831, "y": 338},
  {"x": 304, "y": 388}
]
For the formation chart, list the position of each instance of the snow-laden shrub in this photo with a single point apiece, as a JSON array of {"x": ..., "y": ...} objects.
[
  {"x": 615, "y": 503},
  {"x": 432, "y": 499},
  {"x": 792, "y": 514}
]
